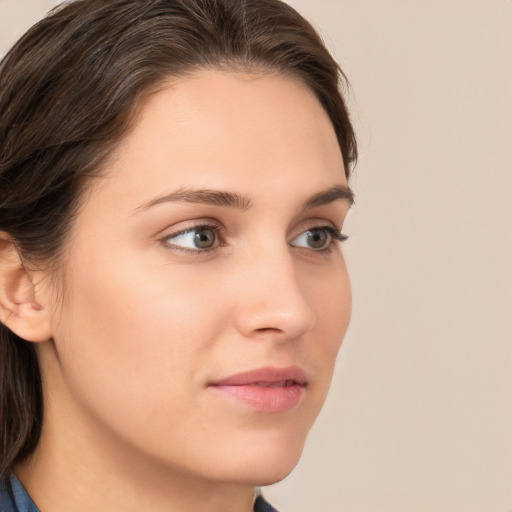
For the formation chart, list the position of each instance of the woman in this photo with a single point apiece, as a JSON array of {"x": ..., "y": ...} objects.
[{"x": 172, "y": 290}]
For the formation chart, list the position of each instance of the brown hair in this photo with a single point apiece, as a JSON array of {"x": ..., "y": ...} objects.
[{"x": 68, "y": 90}]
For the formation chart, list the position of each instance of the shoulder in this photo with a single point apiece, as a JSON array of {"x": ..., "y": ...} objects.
[
  {"x": 6, "y": 498},
  {"x": 14, "y": 498}
]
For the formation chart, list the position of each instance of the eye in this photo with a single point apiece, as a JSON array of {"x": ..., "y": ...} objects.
[
  {"x": 319, "y": 238},
  {"x": 197, "y": 238}
]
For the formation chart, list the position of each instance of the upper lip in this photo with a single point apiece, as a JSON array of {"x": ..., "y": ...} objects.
[{"x": 265, "y": 375}]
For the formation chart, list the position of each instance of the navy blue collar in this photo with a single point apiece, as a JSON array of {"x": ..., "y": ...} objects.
[{"x": 260, "y": 505}]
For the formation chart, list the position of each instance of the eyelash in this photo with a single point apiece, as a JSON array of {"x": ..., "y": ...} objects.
[{"x": 336, "y": 236}]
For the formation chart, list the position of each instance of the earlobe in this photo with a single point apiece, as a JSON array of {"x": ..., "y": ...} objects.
[{"x": 19, "y": 309}]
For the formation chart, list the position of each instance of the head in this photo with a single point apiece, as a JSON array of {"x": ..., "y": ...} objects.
[{"x": 173, "y": 174}]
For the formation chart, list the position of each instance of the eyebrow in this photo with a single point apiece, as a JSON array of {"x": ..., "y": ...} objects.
[
  {"x": 329, "y": 196},
  {"x": 242, "y": 202},
  {"x": 202, "y": 196}
]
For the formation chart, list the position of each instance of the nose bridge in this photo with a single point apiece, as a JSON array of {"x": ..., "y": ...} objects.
[{"x": 273, "y": 300}]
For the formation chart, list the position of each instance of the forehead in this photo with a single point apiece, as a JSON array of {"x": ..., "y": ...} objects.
[{"x": 229, "y": 130}]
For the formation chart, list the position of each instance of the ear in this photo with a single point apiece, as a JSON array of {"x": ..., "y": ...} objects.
[{"x": 19, "y": 309}]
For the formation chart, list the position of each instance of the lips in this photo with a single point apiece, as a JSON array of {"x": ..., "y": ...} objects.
[{"x": 267, "y": 389}]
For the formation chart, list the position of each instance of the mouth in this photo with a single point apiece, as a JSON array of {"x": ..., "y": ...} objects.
[{"x": 267, "y": 389}]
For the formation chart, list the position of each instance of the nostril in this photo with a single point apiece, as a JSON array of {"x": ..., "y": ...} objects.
[{"x": 271, "y": 330}]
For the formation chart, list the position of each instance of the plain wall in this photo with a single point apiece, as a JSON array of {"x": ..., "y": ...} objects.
[{"x": 420, "y": 413}]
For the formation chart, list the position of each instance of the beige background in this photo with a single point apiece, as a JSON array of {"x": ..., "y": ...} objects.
[{"x": 420, "y": 414}]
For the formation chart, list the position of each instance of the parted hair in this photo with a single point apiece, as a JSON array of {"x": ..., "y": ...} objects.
[{"x": 68, "y": 91}]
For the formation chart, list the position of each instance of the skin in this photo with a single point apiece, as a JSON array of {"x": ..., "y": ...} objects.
[{"x": 144, "y": 325}]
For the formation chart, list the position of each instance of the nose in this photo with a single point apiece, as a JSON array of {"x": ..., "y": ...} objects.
[{"x": 272, "y": 302}]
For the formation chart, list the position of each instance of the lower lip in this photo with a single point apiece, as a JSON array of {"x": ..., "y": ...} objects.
[{"x": 263, "y": 398}]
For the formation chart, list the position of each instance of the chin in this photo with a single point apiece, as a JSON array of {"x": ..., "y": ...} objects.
[
  {"x": 264, "y": 475},
  {"x": 265, "y": 463},
  {"x": 273, "y": 475}
]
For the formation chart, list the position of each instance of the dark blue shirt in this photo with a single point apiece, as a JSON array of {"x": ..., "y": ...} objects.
[{"x": 14, "y": 498}]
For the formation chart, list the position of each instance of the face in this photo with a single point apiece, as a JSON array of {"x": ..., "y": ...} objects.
[{"x": 207, "y": 295}]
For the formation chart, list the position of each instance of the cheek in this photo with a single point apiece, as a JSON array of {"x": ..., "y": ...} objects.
[
  {"x": 131, "y": 336},
  {"x": 331, "y": 298},
  {"x": 332, "y": 301}
]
